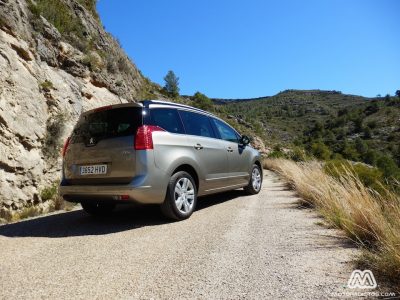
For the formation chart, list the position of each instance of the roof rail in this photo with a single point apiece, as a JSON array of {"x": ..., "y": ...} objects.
[{"x": 146, "y": 103}]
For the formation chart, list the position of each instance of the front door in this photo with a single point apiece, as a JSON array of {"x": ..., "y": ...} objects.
[{"x": 238, "y": 156}]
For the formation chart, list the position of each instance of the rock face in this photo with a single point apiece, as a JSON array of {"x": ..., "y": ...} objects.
[{"x": 46, "y": 80}]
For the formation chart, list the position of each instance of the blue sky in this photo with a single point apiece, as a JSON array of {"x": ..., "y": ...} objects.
[{"x": 241, "y": 49}]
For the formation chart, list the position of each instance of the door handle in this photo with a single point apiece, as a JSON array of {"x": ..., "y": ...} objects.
[
  {"x": 229, "y": 149},
  {"x": 198, "y": 147}
]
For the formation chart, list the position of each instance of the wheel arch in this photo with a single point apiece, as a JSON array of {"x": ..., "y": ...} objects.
[
  {"x": 259, "y": 164},
  {"x": 189, "y": 169}
]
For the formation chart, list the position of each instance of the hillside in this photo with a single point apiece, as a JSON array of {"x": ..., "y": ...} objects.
[
  {"x": 326, "y": 124},
  {"x": 283, "y": 117}
]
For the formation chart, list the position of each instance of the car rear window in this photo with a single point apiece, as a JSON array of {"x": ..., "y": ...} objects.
[
  {"x": 167, "y": 119},
  {"x": 108, "y": 124}
]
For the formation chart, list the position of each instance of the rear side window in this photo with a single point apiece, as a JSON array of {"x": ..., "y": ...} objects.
[
  {"x": 225, "y": 131},
  {"x": 108, "y": 124},
  {"x": 167, "y": 119},
  {"x": 197, "y": 124}
]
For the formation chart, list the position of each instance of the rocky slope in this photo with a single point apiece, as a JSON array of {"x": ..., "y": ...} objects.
[{"x": 49, "y": 74}]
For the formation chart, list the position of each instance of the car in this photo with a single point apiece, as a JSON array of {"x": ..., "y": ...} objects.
[{"x": 155, "y": 152}]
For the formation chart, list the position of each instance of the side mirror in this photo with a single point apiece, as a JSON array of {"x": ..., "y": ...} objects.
[{"x": 244, "y": 140}]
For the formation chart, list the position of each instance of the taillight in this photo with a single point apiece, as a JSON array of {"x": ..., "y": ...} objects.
[
  {"x": 65, "y": 148},
  {"x": 144, "y": 138}
]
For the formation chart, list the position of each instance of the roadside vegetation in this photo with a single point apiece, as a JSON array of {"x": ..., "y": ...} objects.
[
  {"x": 49, "y": 202},
  {"x": 353, "y": 199},
  {"x": 54, "y": 130},
  {"x": 327, "y": 125}
]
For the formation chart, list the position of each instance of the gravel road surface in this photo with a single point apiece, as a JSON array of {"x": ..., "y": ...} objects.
[{"x": 233, "y": 247}]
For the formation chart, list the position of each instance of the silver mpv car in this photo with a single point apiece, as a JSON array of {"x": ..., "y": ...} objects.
[{"x": 155, "y": 152}]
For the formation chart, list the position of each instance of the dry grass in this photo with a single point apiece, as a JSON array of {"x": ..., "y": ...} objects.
[
  {"x": 368, "y": 218},
  {"x": 55, "y": 203}
]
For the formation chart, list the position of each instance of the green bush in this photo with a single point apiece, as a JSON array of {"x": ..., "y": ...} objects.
[
  {"x": 369, "y": 176},
  {"x": 58, "y": 14},
  {"x": 202, "y": 101},
  {"x": 361, "y": 146},
  {"x": 277, "y": 154},
  {"x": 371, "y": 157},
  {"x": 48, "y": 192},
  {"x": 388, "y": 167},
  {"x": 321, "y": 151},
  {"x": 46, "y": 86},
  {"x": 55, "y": 129},
  {"x": 298, "y": 154},
  {"x": 350, "y": 152}
]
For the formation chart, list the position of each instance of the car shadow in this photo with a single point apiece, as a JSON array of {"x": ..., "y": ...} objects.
[{"x": 79, "y": 223}]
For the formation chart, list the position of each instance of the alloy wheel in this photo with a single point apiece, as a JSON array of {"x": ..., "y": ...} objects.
[
  {"x": 184, "y": 195},
  {"x": 256, "y": 179}
]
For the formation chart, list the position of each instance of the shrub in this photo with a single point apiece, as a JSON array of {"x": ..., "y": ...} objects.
[
  {"x": 298, "y": 154},
  {"x": 202, "y": 101},
  {"x": 371, "y": 177},
  {"x": 124, "y": 65},
  {"x": 371, "y": 157},
  {"x": 93, "y": 61},
  {"x": 350, "y": 152},
  {"x": 361, "y": 146},
  {"x": 48, "y": 192},
  {"x": 55, "y": 129},
  {"x": 388, "y": 167},
  {"x": 111, "y": 65},
  {"x": 59, "y": 14},
  {"x": 26, "y": 212},
  {"x": 46, "y": 86},
  {"x": 277, "y": 154},
  {"x": 320, "y": 150},
  {"x": 367, "y": 133},
  {"x": 372, "y": 124}
]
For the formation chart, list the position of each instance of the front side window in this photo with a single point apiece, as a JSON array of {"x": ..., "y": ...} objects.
[
  {"x": 167, "y": 119},
  {"x": 197, "y": 124},
  {"x": 225, "y": 131}
]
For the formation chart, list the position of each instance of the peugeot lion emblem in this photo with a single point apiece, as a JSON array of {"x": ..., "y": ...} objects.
[{"x": 91, "y": 141}]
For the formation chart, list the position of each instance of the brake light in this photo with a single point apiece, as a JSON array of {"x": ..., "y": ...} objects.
[
  {"x": 144, "y": 138},
  {"x": 65, "y": 148}
]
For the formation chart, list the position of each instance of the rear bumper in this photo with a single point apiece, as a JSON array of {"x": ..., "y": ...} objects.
[
  {"x": 78, "y": 193},
  {"x": 144, "y": 193}
]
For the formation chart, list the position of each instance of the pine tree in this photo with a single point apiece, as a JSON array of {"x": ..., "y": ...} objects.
[{"x": 171, "y": 84}]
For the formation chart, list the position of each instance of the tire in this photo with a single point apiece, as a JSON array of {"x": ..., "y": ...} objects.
[
  {"x": 98, "y": 208},
  {"x": 255, "y": 182},
  {"x": 173, "y": 208}
]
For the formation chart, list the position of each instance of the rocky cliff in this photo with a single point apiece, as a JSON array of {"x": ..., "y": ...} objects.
[{"x": 56, "y": 60}]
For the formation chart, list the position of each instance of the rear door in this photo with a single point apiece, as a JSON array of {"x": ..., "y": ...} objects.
[
  {"x": 207, "y": 149},
  {"x": 101, "y": 149},
  {"x": 239, "y": 158}
]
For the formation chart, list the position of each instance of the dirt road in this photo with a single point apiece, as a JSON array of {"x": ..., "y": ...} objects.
[{"x": 234, "y": 246}]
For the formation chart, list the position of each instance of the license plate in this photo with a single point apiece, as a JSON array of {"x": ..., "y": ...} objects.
[{"x": 93, "y": 170}]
